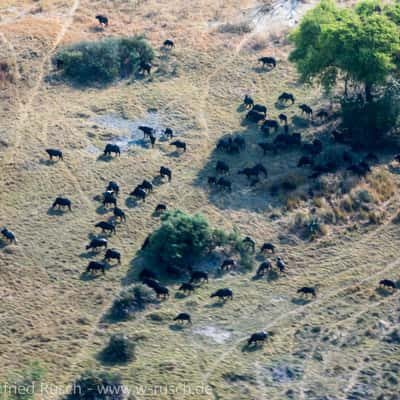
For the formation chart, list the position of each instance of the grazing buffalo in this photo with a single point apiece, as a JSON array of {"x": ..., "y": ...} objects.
[
  {"x": 96, "y": 243},
  {"x": 182, "y": 317},
  {"x": 169, "y": 43},
  {"x": 146, "y": 185},
  {"x": 322, "y": 114},
  {"x": 164, "y": 171},
  {"x": 160, "y": 208},
  {"x": 270, "y": 61},
  {"x": 152, "y": 141},
  {"x": 285, "y": 97},
  {"x": 112, "y": 148},
  {"x": 222, "y": 167},
  {"x": 257, "y": 337},
  {"x": 151, "y": 282},
  {"x": 187, "y": 287},
  {"x": 54, "y": 153},
  {"x": 106, "y": 226},
  {"x": 147, "y": 274},
  {"x": 145, "y": 67},
  {"x": 248, "y": 101},
  {"x": 60, "y": 202},
  {"x": 139, "y": 193},
  {"x": 109, "y": 199},
  {"x": 224, "y": 184},
  {"x": 161, "y": 292},
  {"x": 169, "y": 133},
  {"x": 264, "y": 267},
  {"x": 112, "y": 254},
  {"x": 260, "y": 108},
  {"x": 267, "y": 247},
  {"x": 254, "y": 116},
  {"x": 267, "y": 147},
  {"x": 223, "y": 294},
  {"x": 250, "y": 243},
  {"x": 305, "y": 160},
  {"x": 198, "y": 276},
  {"x": 113, "y": 186},
  {"x": 95, "y": 266},
  {"x": 306, "y": 290},
  {"x": 283, "y": 118},
  {"x": 387, "y": 283},
  {"x": 118, "y": 213},
  {"x": 228, "y": 264},
  {"x": 147, "y": 131},
  {"x": 270, "y": 123},
  {"x": 103, "y": 20},
  {"x": 179, "y": 145},
  {"x": 305, "y": 109},
  {"x": 9, "y": 236},
  {"x": 280, "y": 264}
]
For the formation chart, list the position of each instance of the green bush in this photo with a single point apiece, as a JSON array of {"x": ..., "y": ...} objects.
[
  {"x": 120, "y": 349},
  {"x": 182, "y": 239},
  {"x": 133, "y": 299},
  {"x": 103, "y": 61},
  {"x": 97, "y": 386}
]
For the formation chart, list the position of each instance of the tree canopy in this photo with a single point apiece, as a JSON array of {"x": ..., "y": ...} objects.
[{"x": 360, "y": 44}]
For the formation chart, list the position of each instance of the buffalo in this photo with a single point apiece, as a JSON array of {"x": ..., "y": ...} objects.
[
  {"x": 96, "y": 243},
  {"x": 55, "y": 153},
  {"x": 95, "y": 266},
  {"x": 60, "y": 202},
  {"x": 9, "y": 236},
  {"x": 112, "y": 254},
  {"x": 112, "y": 148},
  {"x": 267, "y": 61},
  {"x": 223, "y": 294},
  {"x": 164, "y": 171}
]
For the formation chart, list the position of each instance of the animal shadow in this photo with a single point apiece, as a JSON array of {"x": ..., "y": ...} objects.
[
  {"x": 131, "y": 203},
  {"x": 300, "y": 301},
  {"x": 383, "y": 292},
  {"x": 55, "y": 211},
  {"x": 105, "y": 158},
  {"x": 251, "y": 348},
  {"x": 176, "y": 327},
  {"x": 101, "y": 210},
  {"x": 180, "y": 295},
  {"x": 47, "y": 162},
  {"x": 300, "y": 122}
]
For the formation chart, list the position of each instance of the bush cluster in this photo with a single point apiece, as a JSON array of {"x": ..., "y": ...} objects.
[
  {"x": 103, "y": 61},
  {"x": 120, "y": 349}
]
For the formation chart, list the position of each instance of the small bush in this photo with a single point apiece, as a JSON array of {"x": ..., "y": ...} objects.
[
  {"x": 120, "y": 349},
  {"x": 291, "y": 182},
  {"x": 382, "y": 183},
  {"x": 103, "y": 61},
  {"x": 309, "y": 226},
  {"x": 182, "y": 239},
  {"x": 237, "y": 29},
  {"x": 97, "y": 386},
  {"x": 133, "y": 299}
]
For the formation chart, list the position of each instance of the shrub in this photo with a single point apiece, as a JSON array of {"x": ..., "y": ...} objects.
[
  {"x": 309, "y": 226},
  {"x": 97, "y": 386},
  {"x": 133, "y": 299},
  {"x": 382, "y": 183},
  {"x": 103, "y": 61},
  {"x": 120, "y": 349},
  {"x": 182, "y": 239}
]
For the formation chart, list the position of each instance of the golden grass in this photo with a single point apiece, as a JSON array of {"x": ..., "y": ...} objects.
[{"x": 50, "y": 314}]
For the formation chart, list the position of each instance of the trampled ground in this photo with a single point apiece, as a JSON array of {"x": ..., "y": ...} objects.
[{"x": 334, "y": 347}]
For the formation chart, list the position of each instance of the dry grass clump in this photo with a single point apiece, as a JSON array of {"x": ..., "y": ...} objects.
[
  {"x": 309, "y": 226},
  {"x": 239, "y": 28},
  {"x": 382, "y": 184}
]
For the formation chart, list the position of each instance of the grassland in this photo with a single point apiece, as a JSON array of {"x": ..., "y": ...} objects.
[{"x": 331, "y": 348}]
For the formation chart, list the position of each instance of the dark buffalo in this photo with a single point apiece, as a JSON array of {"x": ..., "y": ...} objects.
[
  {"x": 54, "y": 153},
  {"x": 161, "y": 292},
  {"x": 254, "y": 116},
  {"x": 280, "y": 264},
  {"x": 146, "y": 185},
  {"x": 164, "y": 171},
  {"x": 228, "y": 264},
  {"x": 112, "y": 148},
  {"x": 270, "y": 61},
  {"x": 147, "y": 274},
  {"x": 95, "y": 266},
  {"x": 248, "y": 101},
  {"x": 147, "y": 131},
  {"x": 169, "y": 43},
  {"x": 305, "y": 109},
  {"x": 145, "y": 67},
  {"x": 264, "y": 267},
  {"x": 270, "y": 123},
  {"x": 151, "y": 282},
  {"x": 250, "y": 243},
  {"x": 212, "y": 180},
  {"x": 222, "y": 167},
  {"x": 387, "y": 283},
  {"x": 267, "y": 247},
  {"x": 257, "y": 337},
  {"x": 60, "y": 202},
  {"x": 223, "y": 294},
  {"x": 260, "y": 108},
  {"x": 306, "y": 290},
  {"x": 267, "y": 147},
  {"x": 118, "y": 213},
  {"x": 198, "y": 276},
  {"x": 139, "y": 193},
  {"x": 285, "y": 97},
  {"x": 160, "y": 208},
  {"x": 179, "y": 145},
  {"x": 9, "y": 236},
  {"x": 113, "y": 186},
  {"x": 224, "y": 184},
  {"x": 183, "y": 317},
  {"x": 283, "y": 118},
  {"x": 112, "y": 254},
  {"x": 96, "y": 243},
  {"x": 187, "y": 287},
  {"x": 109, "y": 199},
  {"x": 103, "y": 20},
  {"x": 106, "y": 226},
  {"x": 169, "y": 133}
]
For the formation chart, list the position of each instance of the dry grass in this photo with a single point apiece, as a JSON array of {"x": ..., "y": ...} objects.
[{"x": 51, "y": 313}]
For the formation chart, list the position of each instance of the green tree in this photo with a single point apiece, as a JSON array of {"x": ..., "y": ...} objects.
[{"x": 357, "y": 45}]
